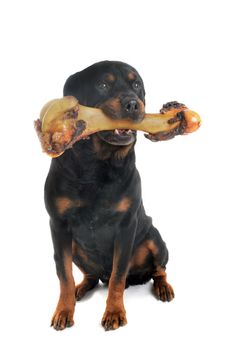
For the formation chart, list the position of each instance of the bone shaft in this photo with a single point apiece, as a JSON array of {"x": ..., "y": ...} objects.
[{"x": 98, "y": 121}]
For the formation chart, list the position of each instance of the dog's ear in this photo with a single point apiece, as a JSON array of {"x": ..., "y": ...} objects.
[{"x": 75, "y": 86}]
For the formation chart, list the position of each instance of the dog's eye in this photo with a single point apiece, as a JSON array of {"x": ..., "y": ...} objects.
[
  {"x": 136, "y": 85},
  {"x": 103, "y": 85}
]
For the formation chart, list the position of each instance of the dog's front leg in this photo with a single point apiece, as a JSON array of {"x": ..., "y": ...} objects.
[
  {"x": 62, "y": 242},
  {"x": 115, "y": 315}
]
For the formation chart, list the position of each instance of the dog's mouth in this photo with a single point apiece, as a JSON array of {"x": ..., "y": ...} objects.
[{"x": 118, "y": 137}]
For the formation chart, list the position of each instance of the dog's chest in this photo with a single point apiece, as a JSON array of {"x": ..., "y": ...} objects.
[
  {"x": 96, "y": 204},
  {"x": 101, "y": 206}
]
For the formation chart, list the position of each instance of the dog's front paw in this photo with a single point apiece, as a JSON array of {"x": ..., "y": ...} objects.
[
  {"x": 179, "y": 117},
  {"x": 168, "y": 135},
  {"x": 114, "y": 319},
  {"x": 171, "y": 106},
  {"x": 62, "y": 319}
]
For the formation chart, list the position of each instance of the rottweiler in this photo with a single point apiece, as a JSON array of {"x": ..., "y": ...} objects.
[{"x": 93, "y": 197}]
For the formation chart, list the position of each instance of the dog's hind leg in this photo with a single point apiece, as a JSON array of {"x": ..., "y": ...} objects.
[
  {"x": 149, "y": 261},
  {"x": 162, "y": 289},
  {"x": 89, "y": 282},
  {"x": 86, "y": 266}
]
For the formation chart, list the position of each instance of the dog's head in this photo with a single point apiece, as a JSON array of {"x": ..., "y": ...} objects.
[{"x": 117, "y": 89}]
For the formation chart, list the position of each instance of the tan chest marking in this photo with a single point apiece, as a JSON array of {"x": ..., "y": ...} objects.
[
  {"x": 64, "y": 203},
  {"x": 123, "y": 205}
]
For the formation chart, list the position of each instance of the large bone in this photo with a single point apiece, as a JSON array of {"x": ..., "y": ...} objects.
[{"x": 64, "y": 121}]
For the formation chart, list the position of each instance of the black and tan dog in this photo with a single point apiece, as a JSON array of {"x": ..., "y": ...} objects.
[{"x": 93, "y": 197}]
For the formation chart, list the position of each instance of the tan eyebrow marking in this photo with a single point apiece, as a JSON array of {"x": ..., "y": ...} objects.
[
  {"x": 110, "y": 78},
  {"x": 131, "y": 76}
]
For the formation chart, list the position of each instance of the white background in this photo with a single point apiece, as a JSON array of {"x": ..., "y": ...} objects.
[{"x": 183, "y": 51}]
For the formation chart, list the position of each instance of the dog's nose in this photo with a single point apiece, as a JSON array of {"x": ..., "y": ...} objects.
[{"x": 131, "y": 107}]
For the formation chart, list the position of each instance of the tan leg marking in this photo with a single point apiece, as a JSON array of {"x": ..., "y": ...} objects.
[
  {"x": 63, "y": 315},
  {"x": 115, "y": 315},
  {"x": 142, "y": 252},
  {"x": 162, "y": 289}
]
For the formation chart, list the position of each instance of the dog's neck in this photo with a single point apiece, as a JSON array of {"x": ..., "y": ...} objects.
[
  {"x": 94, "y": 158},
  {"x": 106, "y": 151}
]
